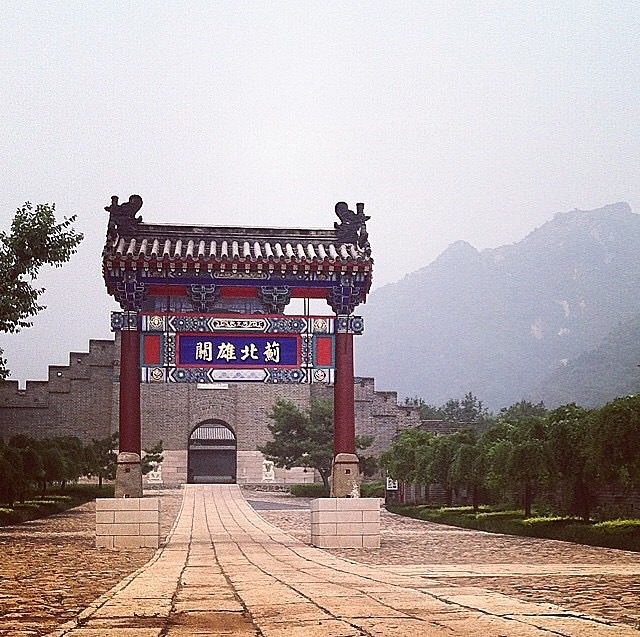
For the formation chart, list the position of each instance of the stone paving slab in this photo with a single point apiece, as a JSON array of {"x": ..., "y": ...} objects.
[{"x": 226, "y": 571}]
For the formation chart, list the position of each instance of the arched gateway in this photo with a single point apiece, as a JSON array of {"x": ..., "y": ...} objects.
[
  {"x": 205, "y": 305},
  {"x": 212, "y": 453}
]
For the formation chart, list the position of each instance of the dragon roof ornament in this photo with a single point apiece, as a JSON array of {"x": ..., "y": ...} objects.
[{"x": 353, "y": 226}]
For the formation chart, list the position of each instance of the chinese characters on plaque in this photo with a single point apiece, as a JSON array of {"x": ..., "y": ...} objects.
[{"x": 224, "y": 351}]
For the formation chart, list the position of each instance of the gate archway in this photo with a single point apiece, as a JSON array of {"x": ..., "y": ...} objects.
[{"x": 212, "y": 453}]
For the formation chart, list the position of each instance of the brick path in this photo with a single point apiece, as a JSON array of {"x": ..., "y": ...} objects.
[{"x": 226, "y": 571}]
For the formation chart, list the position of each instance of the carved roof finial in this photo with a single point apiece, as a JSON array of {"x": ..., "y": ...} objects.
[
  {"x": 353, "y": 228},
  {"x": 122, "y": 217}
]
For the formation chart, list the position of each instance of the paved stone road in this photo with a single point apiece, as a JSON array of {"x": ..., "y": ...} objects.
[
  {"x": 226, "y": 571},
  {"x": 592, "y": 580}
]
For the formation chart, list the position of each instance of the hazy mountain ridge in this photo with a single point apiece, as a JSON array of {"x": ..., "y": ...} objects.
[{"x": 499, "y": 321}]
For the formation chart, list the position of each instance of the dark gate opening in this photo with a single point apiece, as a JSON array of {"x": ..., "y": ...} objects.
[{"x": 212, "y": 455}]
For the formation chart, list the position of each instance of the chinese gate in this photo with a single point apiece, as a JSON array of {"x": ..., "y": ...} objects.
[{"x": 203, "y": 304}]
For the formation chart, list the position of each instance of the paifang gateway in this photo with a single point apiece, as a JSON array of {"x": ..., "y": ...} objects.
[{"x": 203, "y": 340}]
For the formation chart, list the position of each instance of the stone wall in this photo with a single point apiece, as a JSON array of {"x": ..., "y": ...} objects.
[
  {"x": 377, "y": 413},
  {"x": 76, "y": 399},
  {"x": 81, "y": 399}
]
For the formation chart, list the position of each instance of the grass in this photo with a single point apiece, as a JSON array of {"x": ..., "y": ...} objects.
[
  {"x": 617, "y": 534},
  {"x": 372, "y": 490},
  {"x": 55, "y": 501}
]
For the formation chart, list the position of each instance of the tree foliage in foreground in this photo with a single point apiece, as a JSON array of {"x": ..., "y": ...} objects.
[
  {"x": 305, "y": 438},
  {"x": 34, "y": 239},
  {"x": 561, "y": 458}
]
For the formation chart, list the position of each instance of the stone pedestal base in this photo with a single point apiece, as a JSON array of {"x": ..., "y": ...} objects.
[
  {"x": 345, "y": 523},
  {"x": 345, "y": 476},
  {"x": 128, "y": 476},
  {"x": 127, "y": 523}
]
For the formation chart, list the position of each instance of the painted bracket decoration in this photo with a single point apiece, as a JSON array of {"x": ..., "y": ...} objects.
[{"x": 209, "y": 348}]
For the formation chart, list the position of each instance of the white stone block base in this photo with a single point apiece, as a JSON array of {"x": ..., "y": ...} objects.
[
  {"x": 346, "y": 523},
  {"x": 127, "y": 523}
]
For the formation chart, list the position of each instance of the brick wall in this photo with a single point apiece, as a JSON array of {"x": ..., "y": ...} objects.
[
  {"x": 81, "y": 399},
  {"x": 75, "y": 400}
]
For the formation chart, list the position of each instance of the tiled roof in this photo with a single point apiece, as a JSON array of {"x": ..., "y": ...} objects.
[
  {"x": 212, "y": 433},
  {"x": 222, "y": 244}
]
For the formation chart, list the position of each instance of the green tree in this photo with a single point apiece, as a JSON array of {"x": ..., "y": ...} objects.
[
  {"x": 469, "y": 466},
  {"x": 425, "y": 410},
  {"x": 19, "y": 478},
  {"x": 152, "y": 457},
  {"x": 466, "y": 410},
  {"x": 523, "y": 409},
  {"x": 102, "y": 458},
  {"x": 368, "y": 465},
  {"x": 568, "y": 435},
  {"x": 7, "y": 485},
  {"x": 73, "y": 456},
  {"x": 303, "y": 439},
  {"x": 517, "y": 455},
  {"x": 616, "y": 441},
  {"x": 30, "y": 452},
  {"x": 439, "y": 467},
  {"x": 34, "y": 239},
  {"x": 33, "y": 467},
  {"x": 402, "y": 460},
  {"x": 54, "y": 466}
]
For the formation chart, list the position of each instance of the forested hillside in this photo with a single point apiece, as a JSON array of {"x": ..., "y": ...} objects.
[{"x": 551, "y": 317}]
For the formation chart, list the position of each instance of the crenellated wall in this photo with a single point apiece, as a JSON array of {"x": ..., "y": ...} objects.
[
  {"x": 75, "y": 400},
  {"x": 81, "y": 399}
]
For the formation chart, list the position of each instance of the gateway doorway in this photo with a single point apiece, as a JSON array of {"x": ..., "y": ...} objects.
[{"x": 212, "y": 454}]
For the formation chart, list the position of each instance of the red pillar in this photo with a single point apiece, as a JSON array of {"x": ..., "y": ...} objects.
[
  {"x": 344, "y": 435},
  {"x": 130, "y": 388}
]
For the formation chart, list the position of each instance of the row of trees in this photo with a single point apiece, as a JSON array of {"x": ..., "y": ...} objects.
[
  {"x": 563, "y": 457},
  {"x": 464, "y": 410},
  {"x": 29, "y": 466}
]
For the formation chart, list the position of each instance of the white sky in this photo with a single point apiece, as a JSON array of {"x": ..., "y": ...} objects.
[{"x": 450, "y": 120}]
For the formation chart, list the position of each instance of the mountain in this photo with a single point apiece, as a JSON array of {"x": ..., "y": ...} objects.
[
  {"x": 508, "y": 323},
  {"x": 597, "y": 376}
]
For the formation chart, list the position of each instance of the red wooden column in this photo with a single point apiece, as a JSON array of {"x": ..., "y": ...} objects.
[
  {"x": 344, "y": 437},
  {"x": 130, "y": 384}
]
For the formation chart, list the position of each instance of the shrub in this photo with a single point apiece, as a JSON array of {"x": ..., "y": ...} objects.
[
  {"x": 309, "y": 490},
  {"x": 372, "y": 490},
  {"x": 12, "y": 516},
  {"x": 618, "y": 534},
  {"x": 40, "y": 506}
]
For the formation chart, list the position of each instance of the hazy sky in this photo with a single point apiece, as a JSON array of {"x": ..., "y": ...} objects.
[{"x": 450, "y": 120}]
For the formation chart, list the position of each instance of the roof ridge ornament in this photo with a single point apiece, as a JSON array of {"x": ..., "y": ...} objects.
[
  {"x": 353, "y": 228},
  {"x": 122, "y": 217}
]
